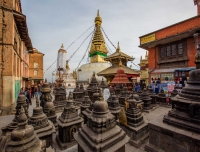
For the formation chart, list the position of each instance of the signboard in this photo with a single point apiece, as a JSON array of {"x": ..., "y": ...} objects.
[
  {"x": 106, "y": 94},
  {"x": 148, "y": 38}
]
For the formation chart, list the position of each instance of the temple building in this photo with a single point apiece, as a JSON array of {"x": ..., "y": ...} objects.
[
  {"x": 171, "y": 50},
  {"x": 63, "y": 69},
  {"x": 15, "y": 48},
  {"x": 98, "y": 52},
  {"x": 36, "y": 73},
  {"x": 144, "y": 71},
  {"x": 61, "y": 59},
  {"x": 68, "y": 80},
  {"x": 101, "y": 132},
  {"x": 180, "y": 127},
  {"x": 114, "y": 59},
  {"x": 121, "y": 77}
]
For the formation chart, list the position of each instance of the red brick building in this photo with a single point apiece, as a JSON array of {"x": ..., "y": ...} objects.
[{"x": 172, "y": 49}]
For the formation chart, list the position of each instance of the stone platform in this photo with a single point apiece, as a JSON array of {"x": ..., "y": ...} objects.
[
  {"x": 170, "y": 138},
  {"x": 152, "y": 109}
]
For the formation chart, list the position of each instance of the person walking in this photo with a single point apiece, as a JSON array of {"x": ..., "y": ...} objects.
[
  {"x": 32, "y": 91},
  {"x": 137, "y": 87},
  {"x": 156, "y": 88},
  {"x": 36, "y": 92},
  {"x": 28, "y": 98}
]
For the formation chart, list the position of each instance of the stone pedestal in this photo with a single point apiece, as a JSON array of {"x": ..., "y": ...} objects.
[
  {"x": 113, "y": 105},
  {"x": 167, "y": 138},
  {"x": 78, "y": 95},
  {"x": 137, "y": 135},
  {"x": 123, "y": 97}
]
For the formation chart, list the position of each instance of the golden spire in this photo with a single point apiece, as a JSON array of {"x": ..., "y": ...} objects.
[
  {"x": 98, "y": 48},
  {"x": 67, "y": 65},
  {"x": 141, "y": 57},
  {"x": 118, "y": 47}
]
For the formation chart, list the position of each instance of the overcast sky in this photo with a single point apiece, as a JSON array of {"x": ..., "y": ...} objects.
[{"x": 53, "y": 22}]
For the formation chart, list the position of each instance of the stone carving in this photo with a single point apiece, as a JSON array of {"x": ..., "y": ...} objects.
[
  {"x": 68, "y": 123},
  {"x": 101, "y": 125},
  {"x": 144, "y": 96},
  {"x": 24, "y": 138}
]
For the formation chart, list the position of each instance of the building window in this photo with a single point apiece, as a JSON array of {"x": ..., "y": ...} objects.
[
  {"x": 174, "y": 49},
  {"x": 35, "y": 65},
  {"x": 168, "y": 50},
  {"x": 35, "y": 72},
  {"x": 15, "y": 45},
  {"x": 162, "y": 52},
  {"x": 180, "y": 48}
]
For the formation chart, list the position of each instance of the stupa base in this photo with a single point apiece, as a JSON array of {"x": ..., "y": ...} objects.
[
  {"x": 167, "y": 138},
  {"x": 154, "y": 107},
  {"x": 137, "y": 135},
  {"x": 63, "y": 146},
  {"x": 59, "y": 108}
]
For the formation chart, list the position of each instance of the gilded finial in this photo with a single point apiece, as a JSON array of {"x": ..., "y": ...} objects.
[
  {"x": 120, "y": 63},
  {"x": 98, "y": 19},
  {"x": 62, "y": 46},
  {"x": 93, "y": 74},
  {"x": 141, "y": 58},
  {"x": 118, "y": 47}
]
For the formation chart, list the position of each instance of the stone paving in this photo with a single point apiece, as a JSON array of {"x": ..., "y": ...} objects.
[{"x": 160, "y": 111}]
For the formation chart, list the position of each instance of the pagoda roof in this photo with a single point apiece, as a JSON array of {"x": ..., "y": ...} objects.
[
  {"x": 119, "y": 54},
  {"x": 113, "y": 70}
]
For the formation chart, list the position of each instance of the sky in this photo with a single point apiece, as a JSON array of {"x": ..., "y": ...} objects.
[{"x": 53, "y": 22}]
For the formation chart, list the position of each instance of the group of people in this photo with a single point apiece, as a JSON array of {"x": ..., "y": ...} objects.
[{"x": 29, "y": 93}]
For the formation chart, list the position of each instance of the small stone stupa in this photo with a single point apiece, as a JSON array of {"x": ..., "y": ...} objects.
[
  {"x": 68, "y": 123},
  {"x": 21, "y": 102},
  {"x": 101, "y": 132},
  {"x": 153, "y": 95},
  {"x": 42, "y": 126},
  {"x": 92, "y": 86},
  {"x": 123, "y": 97},
  {"x": 48, "y": 106},
  {"x": 161, "y": 97},
  {"x": 136, "y": 128},
  {"x": 85, "y": 105},
  {"x": 103, "y": 84},
  {"x": 120, "y": 77},
  {"x": 78, "y": 94},
  {"x": 60, "y": 98},
  {"x": 24, "y": 139},
  {"x": 147, "y": 100},
  {"x": 113, "y": 106}
]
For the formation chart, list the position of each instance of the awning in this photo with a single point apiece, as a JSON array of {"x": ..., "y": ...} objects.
[
  {"x": 171, "y": 70},
  {"x": 184, "y": 69}
]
